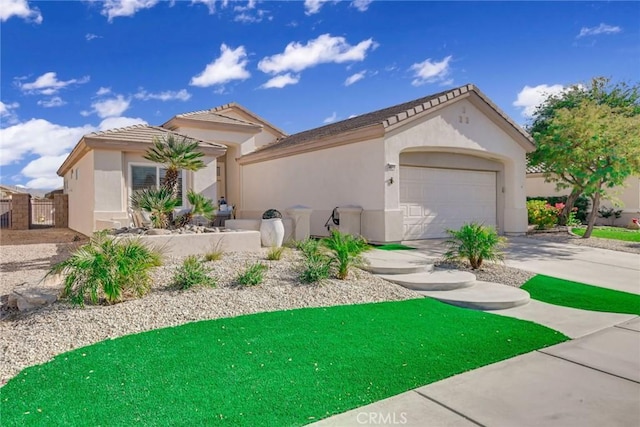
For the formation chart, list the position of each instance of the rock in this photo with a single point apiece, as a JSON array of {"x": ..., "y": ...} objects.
[{"x": 28, "y": 297}]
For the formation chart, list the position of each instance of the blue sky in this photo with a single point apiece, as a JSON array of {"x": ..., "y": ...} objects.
[{"x": 70, "y": 68}]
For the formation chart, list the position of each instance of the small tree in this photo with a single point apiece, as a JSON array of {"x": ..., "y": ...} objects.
[{"x": 587, "y": 140}]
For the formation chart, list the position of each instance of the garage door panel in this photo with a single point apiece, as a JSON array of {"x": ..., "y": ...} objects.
[{"x": 434, "y": 200}]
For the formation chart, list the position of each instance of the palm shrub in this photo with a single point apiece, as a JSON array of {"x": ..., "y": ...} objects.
[
  {"x": 158, "y": 202},
  {"x": 345, "y": 250},
  {"x": 200, "y": 205},
  {"x": 109, "y": 268},
  {"x": 476, "y": 243},
  {"x": 192, "y": 272}
]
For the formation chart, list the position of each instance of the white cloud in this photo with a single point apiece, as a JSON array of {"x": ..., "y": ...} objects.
[
  {"x": 7, "y": 113},
  {"x": 322, "y": 50},
  {"x": 361, "y": 5},
  {"x": 529, "y": 98},
  {"x": 211, "y": 4},
  {"x": 281, "y": 81},
  {"x": 103, "y": 91},
  {"x": 600, "y": 29},
  {"x": 429, "y": 71},
  {"x": 109, "y": 107},
  {"x": 21, "y": 9},
  {"x": 48, "y": 84},
  {"x": 56, "y": 101},
  {"x": 251, "y": 4},
  {"x": 38, "y": 137},
  {"x": 41, "y": 172},
  {"x": 248, "y": 18},
  {"x": 91, "y": 36},
  {"x": 120, "y": 122},
  {"x": 313, "y": 6},
  {"x": 332, "y": 118},
  {"x": 117, "y": 8},
  {"x": 354, "y": 78},
  {"x": 167, "y": 95},
  {"x": 230, "y": 65}
]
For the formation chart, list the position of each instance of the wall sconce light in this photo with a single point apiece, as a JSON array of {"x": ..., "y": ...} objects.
[{"x": 391, "y": 166}]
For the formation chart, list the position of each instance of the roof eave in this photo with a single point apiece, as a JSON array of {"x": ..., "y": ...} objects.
[{"x": 177, "y": 122}]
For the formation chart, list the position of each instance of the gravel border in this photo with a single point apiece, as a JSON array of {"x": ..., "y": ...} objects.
[{"x": 593, "y": 242}]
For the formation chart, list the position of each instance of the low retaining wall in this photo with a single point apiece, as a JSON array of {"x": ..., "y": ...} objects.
[{"x": 199, "y": 244}]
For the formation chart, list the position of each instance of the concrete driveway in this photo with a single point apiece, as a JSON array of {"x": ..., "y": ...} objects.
[{"x": 599, "y": 267}]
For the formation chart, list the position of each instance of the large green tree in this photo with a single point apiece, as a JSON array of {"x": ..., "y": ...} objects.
[{"x": 588, "y": 139}]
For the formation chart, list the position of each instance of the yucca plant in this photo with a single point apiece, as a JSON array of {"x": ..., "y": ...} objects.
[
  {"x": 475, "y": 243},
  {"x": 158, "y": 202},
  {"x": 109, "y": 268},
  {"x": 345, "y": 249},
  {"x": 175, "y": 154},
  {"x": 200, "y": 205}
]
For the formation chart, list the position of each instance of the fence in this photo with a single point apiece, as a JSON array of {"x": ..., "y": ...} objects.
[
  {"x": 5, "y": 213},
  {"x": 42, "y": 213}
]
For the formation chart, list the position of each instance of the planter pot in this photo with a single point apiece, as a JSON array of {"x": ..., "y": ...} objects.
[{"x": 272, "y": 232}]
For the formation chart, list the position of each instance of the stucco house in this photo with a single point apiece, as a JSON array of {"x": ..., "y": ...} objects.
[
  {"x": 625, "y": 198},
  {"x": 405, "y": 172}
]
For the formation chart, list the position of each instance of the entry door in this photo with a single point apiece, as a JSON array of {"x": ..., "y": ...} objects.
[{"x": 434, "y": 200}]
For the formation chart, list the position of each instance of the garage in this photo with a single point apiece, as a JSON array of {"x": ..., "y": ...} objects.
[{"x": 434, "y": 200}]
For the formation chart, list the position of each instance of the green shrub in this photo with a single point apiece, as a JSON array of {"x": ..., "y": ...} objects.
[
  {"x": 271, "y": 214},
  {"x": 274, "y": 253},
  {"x": 346, "y": 250},
  {"x": 316, "y": 267},
  {"x": 253, "y": 275},
  {"x": 159, "y": 202},
  {"x": 541, "y": 214},
  {"x": 308, "y": 247},
  {"x": 107, "y": 268},
  {"x": 582, "y": 205},
  {"x": 216, "y": 252},
  {"x": 192, "y": 272},
  {"x": 475, "y": 243}
]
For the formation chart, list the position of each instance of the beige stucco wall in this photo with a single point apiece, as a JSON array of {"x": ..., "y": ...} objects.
[
  {"x": 462, "y": 128},
  {"x": 626, "y": 197},
  {"x": 81, "y": 195},
  {"x": 350, "y": 174}
]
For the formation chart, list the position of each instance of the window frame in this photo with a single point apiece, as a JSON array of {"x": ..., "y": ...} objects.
[{"x": 183, "y": 176}]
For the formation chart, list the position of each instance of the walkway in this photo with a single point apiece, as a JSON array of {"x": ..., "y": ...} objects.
[{"x": 593, "y": 380}]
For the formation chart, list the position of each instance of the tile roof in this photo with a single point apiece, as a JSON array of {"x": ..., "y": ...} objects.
[
  {"x": 386, "y": 117},
  {"x": 210, "y": 116},
  {"x": 143, "y": 134},
  {"x": 535, "y": 169}
]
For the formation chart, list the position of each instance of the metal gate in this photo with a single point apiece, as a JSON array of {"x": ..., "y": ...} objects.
[
  {"x": 41, "y": 213},
  {"x": 5, "y": 213}
]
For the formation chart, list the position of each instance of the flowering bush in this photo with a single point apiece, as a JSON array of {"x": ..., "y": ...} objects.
[{"x": 543, "y": 215}]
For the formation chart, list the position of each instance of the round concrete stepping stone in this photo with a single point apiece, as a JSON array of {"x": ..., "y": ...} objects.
[
  {"x": 482, "y": 296},
  {"x": 397, "y": 267},
  {"x": 436, "y": 281}
]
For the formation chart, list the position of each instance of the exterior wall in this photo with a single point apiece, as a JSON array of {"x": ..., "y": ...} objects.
[
  {"x": 80, "y": 188},
  {"x": 20, "y": 211},
  {"x": 61, "y": 210},
  {"x": 462, "y": 128},
  {"x": 109, "y": 194},
  {"x": 346, "y": 175},
  {"x": 626, "y": 197}
]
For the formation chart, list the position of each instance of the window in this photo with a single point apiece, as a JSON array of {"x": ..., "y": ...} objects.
[{"x": 150, "y": 177}]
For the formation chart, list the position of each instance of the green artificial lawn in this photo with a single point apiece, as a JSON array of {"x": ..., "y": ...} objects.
[
  {"x": 615, "y": 233},
  {"x": 578, "y": 295},
  {"x": 394, "y": 247},
  {"x": 269, "y": 369}
]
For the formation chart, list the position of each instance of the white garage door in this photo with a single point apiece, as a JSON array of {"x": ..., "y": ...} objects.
[{"x": 434, "y": 200}]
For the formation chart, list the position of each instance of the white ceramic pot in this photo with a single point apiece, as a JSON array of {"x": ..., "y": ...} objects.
[{"x": 272, "y": 232}]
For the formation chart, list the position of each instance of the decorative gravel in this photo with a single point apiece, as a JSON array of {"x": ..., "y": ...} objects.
[
  {"x": 491, "y": 272},
  {"x": 35, "y": 337}
]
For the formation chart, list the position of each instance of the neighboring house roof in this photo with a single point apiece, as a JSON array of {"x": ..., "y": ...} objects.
[
  {"x": 130, "y": 138},
  {"x": 387, "y": 118},
  {"x": 218, "y": 116},
  {"x": 535, "y": 169}
]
